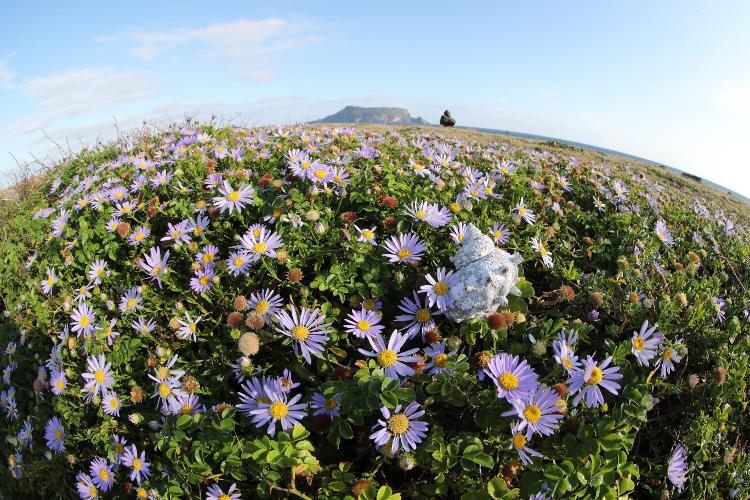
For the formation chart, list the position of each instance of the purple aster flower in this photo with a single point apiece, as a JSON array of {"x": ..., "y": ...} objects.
[
  {"x": 438, "y": 291},
  {"x": 54, "y": 433},
  {"x": 58, "y": 382},
  {"x": 265, "y": 243},
  {"x": 663, "y": 233},
  {"x": 203, "y": 280},
  {"x": 97, "y": 271},
  {"x": 278, "y": 409},
  {"x": 198, "y": 225},
  {"x": 538, "y": 411},
  {"x": 499, "y": 234},
  {"x": 185, "y": 404},
  {"x": 86, "y": 488},
  {"x": 84, "y": 321},
  {"x": 101, "y": 474},
  {"x": 645, "y": 343},
  {"x": 253, "y": 393},
  {"x": 320, "y": 173},
  {"x": 265, "y": 302},
  {"x": 400, "y": 428},
  {"x": 457, "y": 232},
  {"x": 285, "y": 382},
  {"x": 138, "y": 236},
  {"x": 178, "y": 233},
  {"x": 389, "y": 357},
  {"x": 207, "y": 255},
  {"x": 140, "y": 468},
  {"x": 238, "y": 262},
  {"x": 519, "y": 441},
  {"x": 131, "y": 301},
  {"x": 363, "y": 323},
  {"x": 50, "y": 282},
  {"x": 232, "y": 199},
  {"x": 366, "y": 235},
  {"x": 142, "y": 326},
  {"x": 512, "y": 377},
  {"x": 586, "y": 382},
  {"x": 677, "y": 472},
  {"x": 418, "y": 316},
  {"x": 155, "y": 264},
  {"x": 671, "y": 354},
  {"x": 430, "y": 213},
  {"x": 322, "y": 405},
  {"x": 525, "y": 213},
  {"x": 161, "y": 178},
  {"x": 215, "y": 493},
  {"x": 543, "y": 251},
  {"x": 188, "y": 327},
  {"x": 125, "y": 208},
  {"x": 111, "y": 404},
  {"x": 404, "y": 248},
  {"x": 720, "y": 305},
  {"x": 99, "y": 377},
  {"x": 564, "y": 354},
  {"x": 306, "y": 329},
  {"x": 108, "y": 331},
  {"x": 438, "y": 358}
]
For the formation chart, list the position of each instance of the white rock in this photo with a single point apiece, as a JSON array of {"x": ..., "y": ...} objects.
[{"x": 484, "y": 277}]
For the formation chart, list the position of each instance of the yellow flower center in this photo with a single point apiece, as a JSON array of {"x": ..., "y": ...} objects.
[
  {"x": 278, "y": 410},
  {"x": 192, "y": 327},
  {"x": 263, "y": 399},
  {"x": 532, "y": 413},
  {"x": 404, "y": 253},
  {"x": 224, "y": 497},
  {"x": 638, "y": 343},
  {"x": 566, "y": 362},
  {"x": 139, "y": 236},
  {"x": 508, "y": 381},
  {"x": 441, "y": 288},
  {"x": 50, "y": 282},
  {"x": 519, "y": 440},
  {"x": 596, "y": 376},
  {"x": 197, "y": 230},
  {"x": 260, "y": 247},
  {"x": 164, "y": 390},
  {"x": 363, "y": 325},
  {"x": 330, "y": 404},
  {"x": 93, "y": 492},
  {"x": 368, "y": 234},
  {"x": 460, "y": 237},
  {"x": 300, "y": 333},
  {"x": 305, "y": 165},
  {"x": 262, "y": 307},
  {"x": 522, "y": 211},
  {"x": 208, "y": 258},
  {"x": 633, "y": 297},
  {"x": 420, "y": 214},
  {"x": 114, "y": 404},
  {"x": 157, "y": 270},
  {"x": 162, "y": 372},
  {"x": 422, "y": 316},
  {"x": 186, "y": 409},
  {"x": 387, "y": 358},
  {"x": 238, "y": 261},
  {"x": 60, "y": 385},
  {"x": 103, "y": 474},
  {"x": 137, "y": 464},
  {"x": 58, "y": 434},
  {"x": 233, "y": 196},
  {"x": 99, "y": 376},
  {"x": 667, "y": 353},
  {"x": 441, "y": 361},
  {"x": 321, "y": 174},
  {"x": 398, "y": 424},
  {"x": 119, "y": 448},
  {"x": 204, "y": 280},
  {"x": 84, "y": 321}
]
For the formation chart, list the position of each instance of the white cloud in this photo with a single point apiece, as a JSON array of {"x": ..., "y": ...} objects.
[
  {"x": 228, "y": 40},
  {"x": 737, "y": 99},
  {"x": 79, "y": 92},
  {"x": 545, "y": 92},
  {"x": 6, "y": 76}
]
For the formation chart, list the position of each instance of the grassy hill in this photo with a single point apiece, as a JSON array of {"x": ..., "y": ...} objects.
[{"x": 206, "y": 310}]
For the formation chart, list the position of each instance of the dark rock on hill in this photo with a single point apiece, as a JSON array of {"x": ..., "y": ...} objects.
[{"x": 389, "y": 116}]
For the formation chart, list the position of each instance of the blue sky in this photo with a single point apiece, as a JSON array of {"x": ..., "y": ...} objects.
[{"x": 668, "y": 80}]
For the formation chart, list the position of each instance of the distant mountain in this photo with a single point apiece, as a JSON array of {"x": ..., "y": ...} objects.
[{"x": 388, "y": 116}]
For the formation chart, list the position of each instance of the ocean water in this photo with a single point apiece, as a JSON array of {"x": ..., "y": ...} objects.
[{"x": 522, "y": 135}]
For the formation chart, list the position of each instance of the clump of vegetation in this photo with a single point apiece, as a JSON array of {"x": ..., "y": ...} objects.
[{"x": 219, "y": 312}]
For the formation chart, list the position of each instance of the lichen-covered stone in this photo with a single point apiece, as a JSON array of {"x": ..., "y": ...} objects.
[{"x": 484, "y": 277}]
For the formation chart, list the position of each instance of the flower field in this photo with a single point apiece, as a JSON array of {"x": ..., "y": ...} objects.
[{"x": 217, "y": 312}]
